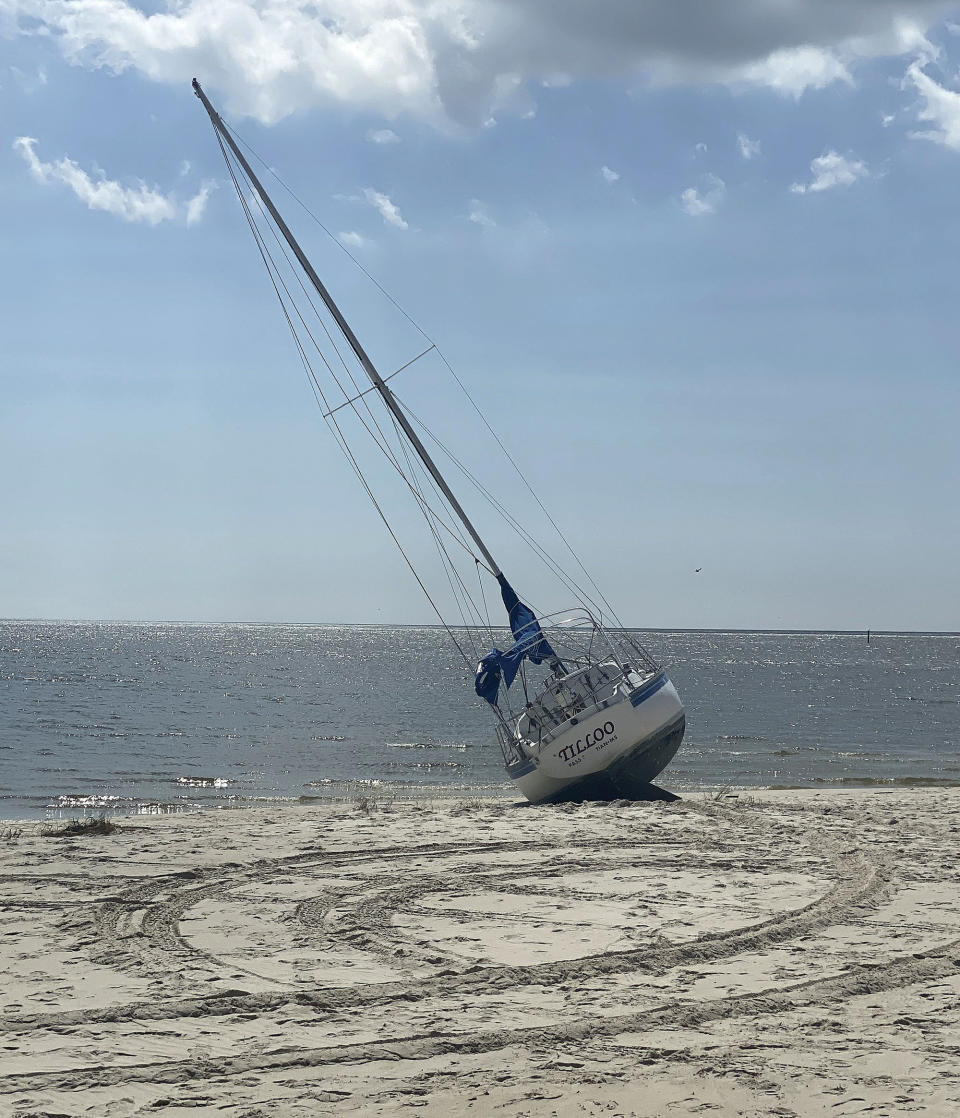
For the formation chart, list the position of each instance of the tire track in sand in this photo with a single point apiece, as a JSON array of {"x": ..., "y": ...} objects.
[
  {"x": 890, "y": 974},
  {"x": 859, "y": 885}
]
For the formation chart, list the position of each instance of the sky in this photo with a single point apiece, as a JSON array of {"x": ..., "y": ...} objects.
[{"x": 696, "y": 262}]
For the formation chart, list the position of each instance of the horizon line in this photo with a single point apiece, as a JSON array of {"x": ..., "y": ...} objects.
[{"x": 461, "y": 627}]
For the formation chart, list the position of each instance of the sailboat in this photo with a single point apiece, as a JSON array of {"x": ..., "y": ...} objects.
[{"x": 581, "y": 709}]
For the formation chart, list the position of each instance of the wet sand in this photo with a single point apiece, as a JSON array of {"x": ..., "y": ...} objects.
[{"x": 772, "y": 953}]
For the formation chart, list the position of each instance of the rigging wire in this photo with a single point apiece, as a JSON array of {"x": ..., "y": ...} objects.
[
  {"x": 321, "y": 401},
  {"x": 460, "y": 590},
  {"x": 389, "y": 453},
  {"x": 461, "y": 595},
  {"x": 449, "y": 568},
  {"x": 512, "y": 522},
  {"x": 413, "y": 322},
  {"x": 541, "y": 552},
  {"x": 380, "y": 439}
]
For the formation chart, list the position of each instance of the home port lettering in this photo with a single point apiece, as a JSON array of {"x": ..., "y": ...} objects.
[{"x": 600, "y": 735}]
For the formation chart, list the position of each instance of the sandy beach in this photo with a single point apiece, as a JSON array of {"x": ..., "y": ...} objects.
[{"x": 772, "y": 953}]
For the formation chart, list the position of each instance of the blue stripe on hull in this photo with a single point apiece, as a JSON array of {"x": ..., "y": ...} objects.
[{"x": 648, "y": 689}]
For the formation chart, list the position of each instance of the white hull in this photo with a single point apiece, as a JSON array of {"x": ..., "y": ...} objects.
[{"x": 610, "y": 752}]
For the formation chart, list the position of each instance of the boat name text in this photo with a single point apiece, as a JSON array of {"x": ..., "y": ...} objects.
[{"x": 581, "y": 745}]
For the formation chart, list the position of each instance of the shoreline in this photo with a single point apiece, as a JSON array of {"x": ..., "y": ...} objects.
[
  {"x": 763, "y": 952},
  {"x": 346, "y": 792}
]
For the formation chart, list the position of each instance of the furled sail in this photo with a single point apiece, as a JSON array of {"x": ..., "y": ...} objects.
[{"x": 529, "y": 642}]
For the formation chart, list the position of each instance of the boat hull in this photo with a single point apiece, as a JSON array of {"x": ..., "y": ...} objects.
[{"x": 615, "y": 752}]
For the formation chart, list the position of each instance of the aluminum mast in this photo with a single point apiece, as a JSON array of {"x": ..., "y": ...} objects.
[{"x": 368, "y": 367}]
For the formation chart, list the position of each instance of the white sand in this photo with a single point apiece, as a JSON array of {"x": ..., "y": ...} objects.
[{"x": 783, "y": 953}]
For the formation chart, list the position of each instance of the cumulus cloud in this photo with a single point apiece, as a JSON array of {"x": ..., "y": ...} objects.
[
  {"x": 941, "y": 108},
  {"x": 608, "y": 174},
  {"x": 798, "y": 69},
  {"x": 130, "y": 203},
  {"x": 387, "y": 210},
  {"x": 749, "y": 149},
  {"x": 383, "y": 136},
  {"x": 698, "y": 203},
  {"x": 466, "y": 60},
  {"x": 830, "y": 170}
]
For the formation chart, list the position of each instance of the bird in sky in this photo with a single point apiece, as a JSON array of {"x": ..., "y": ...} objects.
[{"x": 698, "y": 570}]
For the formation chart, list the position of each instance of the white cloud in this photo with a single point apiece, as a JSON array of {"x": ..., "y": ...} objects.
[
  {"x": 796, "y": 70},
  {"x": 382, "y": 136},
  {"x": 198, "y": 203},
  {"x": 749, "y": 149},
  {"x": 697, "y": 203},
  {"x": 886, "y": 119},
  {"x": 466, "y": 60},
  {"x": 832, "y": 169},
  {"x": 479, "y": 215},
  {"x": 609, "y": 175},
  {"x": 353, "y": 240},
  {"x": 387, "y": 210},
  {"x": 941, "y": 108},
  {"x": 131, "y": 203},
  {"x": 700, "y": 148}
]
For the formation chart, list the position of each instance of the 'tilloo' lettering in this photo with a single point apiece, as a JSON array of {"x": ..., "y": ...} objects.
[{"x": 581, "y": 745}]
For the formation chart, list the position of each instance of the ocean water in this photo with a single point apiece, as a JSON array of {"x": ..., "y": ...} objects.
[{"x": 154, "y": 717}]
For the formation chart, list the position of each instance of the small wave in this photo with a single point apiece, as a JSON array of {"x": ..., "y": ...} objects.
[
  {"x": 85, "y": 801},
  {"x": 156, "y": 807},
  {"x": 896, "y": 781},
  {"x": 326, "y": 782},
  {"x": 202, "y": 782},
  {"x": 427, "y": 765},
  {"x": 426, "y": 745}
]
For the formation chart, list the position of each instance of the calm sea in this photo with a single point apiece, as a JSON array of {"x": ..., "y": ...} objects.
[{"x": 152, "y": 717}]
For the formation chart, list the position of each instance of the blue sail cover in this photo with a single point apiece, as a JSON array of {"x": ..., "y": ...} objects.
[{"x": 529, "y": 642}]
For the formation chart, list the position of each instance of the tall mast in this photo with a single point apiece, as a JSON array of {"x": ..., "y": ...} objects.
[{"x": 368, "y": 367}]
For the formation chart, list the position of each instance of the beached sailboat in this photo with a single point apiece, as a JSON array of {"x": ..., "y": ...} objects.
[{"x": 581, "y": 708}]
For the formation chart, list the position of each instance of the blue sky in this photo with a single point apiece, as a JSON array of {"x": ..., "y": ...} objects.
[{"x": 698, "y": 262}]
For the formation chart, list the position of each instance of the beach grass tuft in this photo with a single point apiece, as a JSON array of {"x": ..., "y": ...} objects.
[{"x": 82, "y": 828}]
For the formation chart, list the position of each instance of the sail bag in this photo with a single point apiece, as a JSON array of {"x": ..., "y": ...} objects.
[{"x": 529, "y": 642}]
